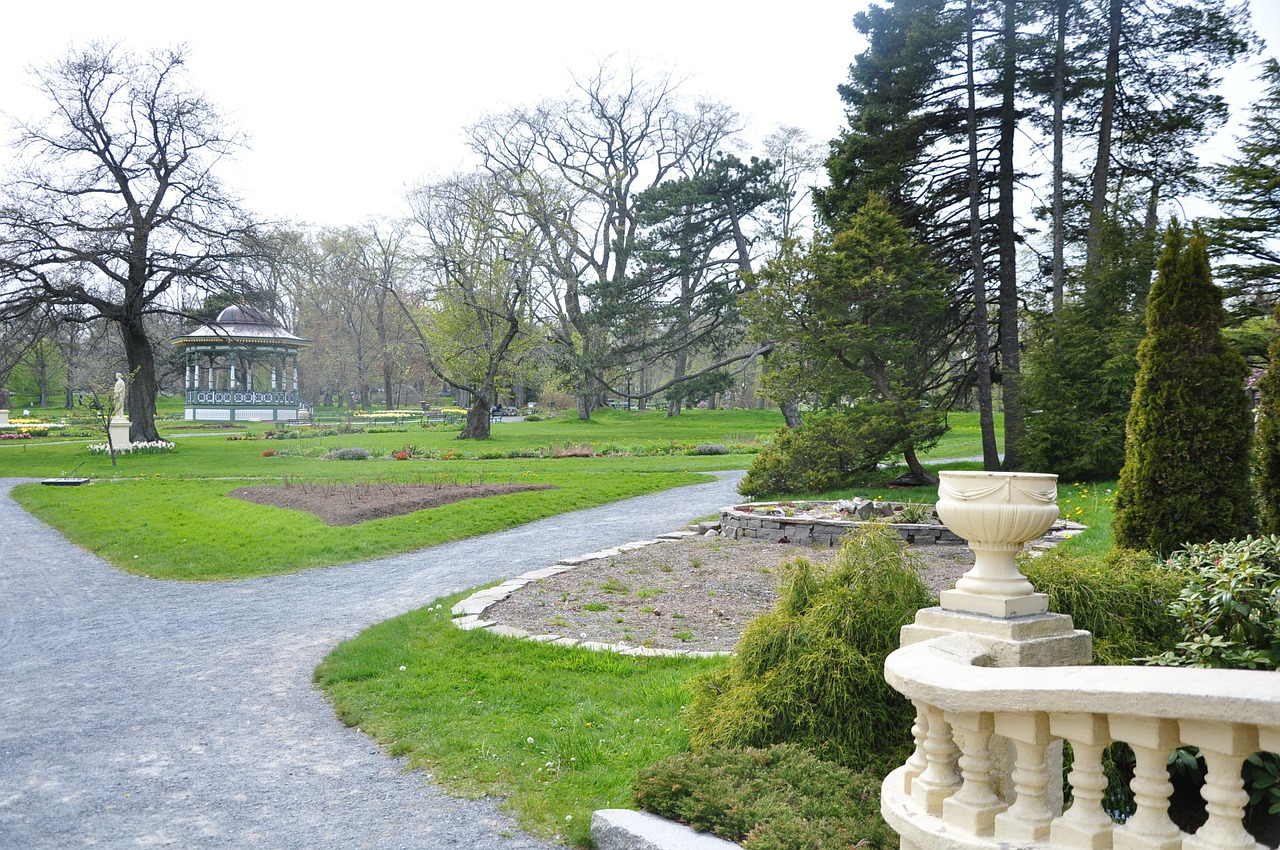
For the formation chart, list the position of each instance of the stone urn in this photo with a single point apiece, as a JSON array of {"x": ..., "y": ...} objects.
[{"x": 996, "y": 512}]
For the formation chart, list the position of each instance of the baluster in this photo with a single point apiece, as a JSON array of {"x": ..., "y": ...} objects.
[
  {"x": 939, "y": 779},
  {"x": 1029, "y": 817},
  {"x": 1151, "y": 740},
  {"x": 974, "y": 807},
  {"x": 1224, "y": 747},
  {"x": 1085, "y": 825},
  {"x": 917, "y": 762}
]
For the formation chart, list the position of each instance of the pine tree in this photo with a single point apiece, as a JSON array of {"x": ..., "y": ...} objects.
[
  {"x": 1186, "y": 471},
  {"x": 1248, "y": 188},
  {"x": 1267, "y": 439}
]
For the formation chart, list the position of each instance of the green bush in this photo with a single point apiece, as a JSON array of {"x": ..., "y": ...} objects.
[
  {"x": 780, "y": 798},
  {"x": 348, "y": 454},
  {"x": 1121, "y": 596},
  {"x": 1228, "y": 612},
  {"x": 709, "y": 449},
  {"x": 835, "y": 450},
  {"x": 811, "y": 672},
  {"x": 1266, "y": 440},
  {"x": 1186, "y": 471},
  {"x": 1077, "y": 381}
]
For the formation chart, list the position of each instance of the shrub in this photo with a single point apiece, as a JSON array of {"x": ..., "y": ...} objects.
[
  {"x": 709, "y": 449},
  {"x": 402, "y": 455},
  {"x": 1267, "y": 439},
  {"x": 348, "y": 454},
  {"x": 1121, "y": 596},
  {"x": 533, "y": 417},
  {"x": 833, "y": 451},
  {"x": 810, "y": 672},
  {"x": 1077, "y": 382},
  {"x": 1228, "y": 612},
  {"x": 1186, "y": 470},
  {"x": 769, "y": 799},
  {"x": 269, "y": 453},
  {"x": 570, "y": 450}
]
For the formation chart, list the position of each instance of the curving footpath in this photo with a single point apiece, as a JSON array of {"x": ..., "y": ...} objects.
[{"x": 145, "y": 713}]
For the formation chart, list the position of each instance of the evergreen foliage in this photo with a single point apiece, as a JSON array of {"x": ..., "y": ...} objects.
[
  {"x": 778, "y": 798},
  {"x": 1186, "y": 472},
  {"x": 1119, "y": 596},
  {"x": 1267, "y": 440},
  {"x": 1248, "y": 238},
  {"x": 811, "y": 672},
  {"x": 1080, "y": 367},
  {"x": 868, "y": 324},
  {"x": 837, "y": 449}
]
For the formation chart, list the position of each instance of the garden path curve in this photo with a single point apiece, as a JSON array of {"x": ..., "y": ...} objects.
[{"x": 140, "y": 713}]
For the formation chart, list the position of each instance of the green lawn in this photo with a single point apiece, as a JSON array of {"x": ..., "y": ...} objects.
[
  {"x": 554, "y": 732},
  {"x": 183, "y": 526}
]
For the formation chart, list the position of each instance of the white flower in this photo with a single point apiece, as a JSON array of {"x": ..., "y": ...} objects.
[
  {"x": 402, "y": 668},
  {"x": 528, "y": 740}
]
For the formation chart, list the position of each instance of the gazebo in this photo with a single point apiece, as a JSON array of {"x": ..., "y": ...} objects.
[{"x": 242, "y": 368}]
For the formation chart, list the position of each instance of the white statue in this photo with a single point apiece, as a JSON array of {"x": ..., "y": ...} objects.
[{"x": 119, "y": 394}]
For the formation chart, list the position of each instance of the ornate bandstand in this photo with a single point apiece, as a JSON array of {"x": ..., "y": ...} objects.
[{"x": 242, "y": 368}]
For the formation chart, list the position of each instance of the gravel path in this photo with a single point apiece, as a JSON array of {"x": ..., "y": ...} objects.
[{"x": 142, "y": 713}]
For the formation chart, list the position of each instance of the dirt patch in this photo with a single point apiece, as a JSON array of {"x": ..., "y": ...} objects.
[
  {"x": 349, "y": 504},
  {"x": 695, "y": 594}
]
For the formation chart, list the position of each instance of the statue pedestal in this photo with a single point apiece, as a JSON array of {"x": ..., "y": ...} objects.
[
  {"x": 4, "y": 416},
  {"x": 119, "y": 429}
]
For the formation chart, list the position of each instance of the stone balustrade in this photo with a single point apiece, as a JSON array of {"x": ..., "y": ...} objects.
[{"x": 952, "y": 794}]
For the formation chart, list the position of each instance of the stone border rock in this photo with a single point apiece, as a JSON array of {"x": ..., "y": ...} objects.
[
  {"x": 626, "y": 829},
  {"x": 469, "y": 613},
  {"x": 768, "y": 521}
]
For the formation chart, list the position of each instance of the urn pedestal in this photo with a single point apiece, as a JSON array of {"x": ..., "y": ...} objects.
[{"x": 996, "y": 512}]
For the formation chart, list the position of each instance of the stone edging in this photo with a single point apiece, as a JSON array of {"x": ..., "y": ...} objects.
[{"x": 469, "y": 613}]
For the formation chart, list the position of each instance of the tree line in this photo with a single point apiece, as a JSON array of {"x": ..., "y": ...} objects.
[{"x": 984, "y": 237}]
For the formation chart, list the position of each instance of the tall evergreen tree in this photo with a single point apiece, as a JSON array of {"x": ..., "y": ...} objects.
[
  {"x": 1186, "y": 471},
  {"x": 1248, "y": 189},
  {"x": 1267, "y": 439},
  {"x": 868, "y": 316}
]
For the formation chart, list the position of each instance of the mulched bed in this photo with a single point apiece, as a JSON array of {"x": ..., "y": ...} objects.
[{"x": 349, "y": 504}]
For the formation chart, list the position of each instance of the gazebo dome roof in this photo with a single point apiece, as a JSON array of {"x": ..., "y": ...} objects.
[
  {"x": 241, "y": 326},
  {"x": 236, "y": 315}
]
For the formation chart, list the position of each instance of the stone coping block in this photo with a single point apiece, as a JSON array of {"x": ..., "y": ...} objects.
[{"x": 624, "y": 829}]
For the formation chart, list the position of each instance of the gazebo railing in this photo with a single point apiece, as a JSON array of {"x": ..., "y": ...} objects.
[
  {"x": 946, "y": 796},
  {"x": 242, "y": 397}
]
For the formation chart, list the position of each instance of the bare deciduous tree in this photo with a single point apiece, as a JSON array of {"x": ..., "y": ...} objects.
[{"x": 117, "y": 209}]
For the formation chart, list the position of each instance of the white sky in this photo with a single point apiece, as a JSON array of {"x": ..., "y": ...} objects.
[{"x": 345, "y": 105}]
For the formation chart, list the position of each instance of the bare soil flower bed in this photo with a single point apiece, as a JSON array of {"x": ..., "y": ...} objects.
[
  {"x": 349, "y": 504},
  {"x": 695, "y": 594}
]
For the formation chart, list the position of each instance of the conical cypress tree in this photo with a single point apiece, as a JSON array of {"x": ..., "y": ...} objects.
[
  {"x": 1186, "y": 469},
  {"x": 1266, "y": 439}
]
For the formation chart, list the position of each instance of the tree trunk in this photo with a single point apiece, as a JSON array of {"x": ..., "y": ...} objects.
[
  {"x": 791, "y": 413},
  {"x": 913, "y": 464},
  {"x": 141, "y": 394},
  {"x": 477, "y": 427},
  {"x": 981, "y": 320},
  {"x": 1010, "y": 356},
  {"x": 1102, "y": 161},
  {"x": 682, "y": 360},
  {"x": 1059, "y": 175}
]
